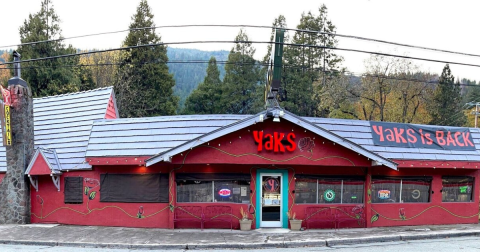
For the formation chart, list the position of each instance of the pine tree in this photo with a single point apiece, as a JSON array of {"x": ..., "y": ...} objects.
[
  {"x": 47, "y": 77},
  {"x": 205, "y": 99},
  {"x": 304, "y": 64},
  {"x": 241, "y": 85},
  {"x": 144, "y": 87},
  {"x": 446, "y": 107}
]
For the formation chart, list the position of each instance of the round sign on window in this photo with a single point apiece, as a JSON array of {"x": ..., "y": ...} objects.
[{"x": 329, "y": 195}]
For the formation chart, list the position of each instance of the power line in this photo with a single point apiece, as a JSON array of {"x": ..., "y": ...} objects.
[
  {"x": 253, "y": 42},
  {"x": 319, "y": 69},
  {"x": 252, "y": 26}
]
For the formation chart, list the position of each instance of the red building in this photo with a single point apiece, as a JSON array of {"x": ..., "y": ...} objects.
[{"x": 138, "y": 172}]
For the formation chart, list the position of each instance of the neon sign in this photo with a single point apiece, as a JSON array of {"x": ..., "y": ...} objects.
[
  {"x": 224, "y": 192},
  {"x": 384, "y": 194},
  {"x": 275, "y": 142}
]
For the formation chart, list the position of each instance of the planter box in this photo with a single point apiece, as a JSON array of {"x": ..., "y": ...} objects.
[
  {"x": 295, "y": 225},
  {"x": 245, "y": 225}
]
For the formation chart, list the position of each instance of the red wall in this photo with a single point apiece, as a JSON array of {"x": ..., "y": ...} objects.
[
  {"x": 2, "y": 175},
  {"x": 48, "y": 204},
  {"x": 40, "y": 167},
  {"x": 111, "y": 112},
  {"x": 239, "y": 148},
  {"x": 434, "y": 212}
]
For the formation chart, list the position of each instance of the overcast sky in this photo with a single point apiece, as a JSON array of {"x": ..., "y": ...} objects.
[{"x": 449, "y": 25}]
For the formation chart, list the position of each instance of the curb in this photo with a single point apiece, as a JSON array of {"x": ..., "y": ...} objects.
[{"x": 283, "y": 244}]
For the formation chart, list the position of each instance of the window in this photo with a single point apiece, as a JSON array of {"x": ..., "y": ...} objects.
[
  {"x": 401, "y": 189},
  {"x": 73, "y": 190},
  {"x": 305, "y": 190},
  {"x": 204, "y": 187},
  {"x": 134, "y": 188},
  {"x": 457, "y": 189},
  {"x": 313, "y": 189}
]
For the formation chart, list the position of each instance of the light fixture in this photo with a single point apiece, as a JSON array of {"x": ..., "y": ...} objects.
[
  {"x": 281, "y": 113},
  {"x": 276, "y": 119},
  {"x": 260, "y": 118}
]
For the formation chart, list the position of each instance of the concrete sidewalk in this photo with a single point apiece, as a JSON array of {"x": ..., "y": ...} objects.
[{"x": 142, "y": 238}]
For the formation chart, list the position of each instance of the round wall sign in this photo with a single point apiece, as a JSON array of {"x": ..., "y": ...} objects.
[
  {"x": 271, "y": 185},
  {"x": 329, "y": 195},
  {"x": 416, "y": 194}
]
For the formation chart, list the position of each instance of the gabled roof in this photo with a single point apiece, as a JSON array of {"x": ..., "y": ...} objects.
[
  {"x": 50, "y": 157},
  {"x": 153, "y": 135},
  {"x": 63, "y": 123},
  {"x": 166, "y": 155}
]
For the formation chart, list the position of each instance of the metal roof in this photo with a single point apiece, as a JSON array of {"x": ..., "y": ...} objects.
[
  {"x": 62, "y": 123},
  {"x": 154, "y": 135},
  {"x": 151, "y": 135}
]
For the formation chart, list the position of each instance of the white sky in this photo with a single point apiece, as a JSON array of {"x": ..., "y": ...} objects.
[{"x": 449, "y": 25}]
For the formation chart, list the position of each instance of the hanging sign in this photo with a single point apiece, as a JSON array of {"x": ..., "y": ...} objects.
[
  {"x": 5, "y": 117},
  {"x": 415, "y": 136},
  {"x": 384, "y": 194},
  {"x": 276, "y": 142},
  {"x": 329, "y": 195},
  {"x": 224, "y": 192}
]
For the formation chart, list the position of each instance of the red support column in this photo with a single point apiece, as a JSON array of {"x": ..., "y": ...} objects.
[
  {"x": 171, "y": 197},
  {"x": 368, "y": 198}
]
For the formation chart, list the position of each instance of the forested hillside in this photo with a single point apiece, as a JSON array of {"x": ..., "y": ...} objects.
[{"x": 188, "y": 74}]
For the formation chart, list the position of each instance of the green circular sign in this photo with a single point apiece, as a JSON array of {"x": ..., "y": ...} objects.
[{"x": 329, "y": 195}]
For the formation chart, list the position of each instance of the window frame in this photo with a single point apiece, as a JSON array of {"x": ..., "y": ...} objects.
[
  {"x": 401, "y": 179},
  {"x": 472, "y": 190},
  {"x": 213, "y": 192},
  {"x": 341, "y": 191}
]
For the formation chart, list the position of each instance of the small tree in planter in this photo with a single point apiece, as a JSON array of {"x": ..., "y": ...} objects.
[
  {"x": 295, "y": 224},
  {"x": 245, "y": 222}
]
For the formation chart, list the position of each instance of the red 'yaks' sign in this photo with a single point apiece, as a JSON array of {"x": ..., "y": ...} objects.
[
  {"x": 415, "y": 136},
  {"x": 276, "y": 142}
]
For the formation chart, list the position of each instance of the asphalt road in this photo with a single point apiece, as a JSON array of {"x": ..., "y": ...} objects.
[{"x": 437, "y": 245}]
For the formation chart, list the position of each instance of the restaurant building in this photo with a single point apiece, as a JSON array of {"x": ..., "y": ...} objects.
[{"x": 93, "y": 168}]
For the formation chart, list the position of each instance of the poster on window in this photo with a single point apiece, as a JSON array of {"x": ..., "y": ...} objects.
[{"x": 416, "y": 136}]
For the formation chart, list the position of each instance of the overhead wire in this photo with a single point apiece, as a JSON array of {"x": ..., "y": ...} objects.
[
  {"x": 251, "y": 26},
  {"x": 253, "y": 42}
]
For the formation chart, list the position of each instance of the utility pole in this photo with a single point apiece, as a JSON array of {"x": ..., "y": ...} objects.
[{"x": 475, "y": 112}]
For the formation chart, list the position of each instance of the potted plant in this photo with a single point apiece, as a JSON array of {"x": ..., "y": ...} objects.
[
  {"x": 245, "y": 222},
  {"x": 295, "y": 224}
]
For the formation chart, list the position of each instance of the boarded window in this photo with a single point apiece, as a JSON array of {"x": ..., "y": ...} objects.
[
  {"x": 73, "y": 190},
  {"x": 134, "y": 188}
]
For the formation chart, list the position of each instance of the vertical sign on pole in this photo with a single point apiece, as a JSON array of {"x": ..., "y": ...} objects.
[{"x": 6, "y": 125}]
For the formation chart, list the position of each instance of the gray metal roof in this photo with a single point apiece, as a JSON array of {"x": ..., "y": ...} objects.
[
  {"x": 151, "y": 136},
  {"x": 63, "y": 123}
]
